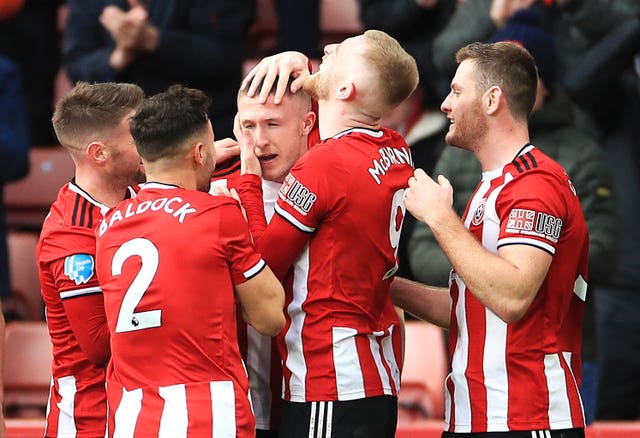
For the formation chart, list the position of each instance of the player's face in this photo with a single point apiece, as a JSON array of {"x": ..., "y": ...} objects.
[
  {"x": 126, "y": 164},
  {"x": 279, "y": 133},
  {"x": 463, "y": 108},
  {"x": 336, "y": 62}
]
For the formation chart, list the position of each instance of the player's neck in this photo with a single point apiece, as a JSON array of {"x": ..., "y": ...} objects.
[
  {"x": 184, "y": 179},
  {"x": 107, "y": 192},
  {"x": 335, "y": 119},
  {"x": 500, "y": 144}
]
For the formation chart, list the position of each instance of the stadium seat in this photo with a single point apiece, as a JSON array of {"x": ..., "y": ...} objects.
[
  {"x": 27, "y": 369},
  {"x": 27, "y": 201},
  {"x": 425, "y": 368},
  {"x": 25, "y": 286},
  {"x": 339, "y": 19}
]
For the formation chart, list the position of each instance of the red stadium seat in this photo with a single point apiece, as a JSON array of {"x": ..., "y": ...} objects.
[
  {"x": 25, "y": 286},
  {"x": 27, "y": 201},
  {"x": 27, "y": 369},
  {"x": 425, "y": 368},
  {"x": 339, "y": 19}
]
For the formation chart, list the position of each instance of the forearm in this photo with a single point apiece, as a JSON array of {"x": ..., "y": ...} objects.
[
  {"x": 428, "y": 303},
  {"x": 505, "y": 288}
]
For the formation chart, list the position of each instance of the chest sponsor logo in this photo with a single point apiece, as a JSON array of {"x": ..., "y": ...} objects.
[
  {"x": 79, "y": 268},
  {"x": 534, "y": 223},
  {"x": 479, "y": 214},
  {"x": 294, "y": 193}
]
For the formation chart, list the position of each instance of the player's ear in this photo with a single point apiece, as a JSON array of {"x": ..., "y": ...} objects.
[
  {"x": 198, "y": 153},
  {"x": 347, "y": 91},
  {"x": 491, "y": 99},
  {"x": 97, "y": 152},
  {"x": 309, "y": 122}
]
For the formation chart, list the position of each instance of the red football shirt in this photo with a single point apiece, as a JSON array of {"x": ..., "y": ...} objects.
[
  {"x": 75, "y": 314},
  {"x": 338, "y": 221},
  {"x": 168, "y": 261},
  {"x": 524, "y": 375}
]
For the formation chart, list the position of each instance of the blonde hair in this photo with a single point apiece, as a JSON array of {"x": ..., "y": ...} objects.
[{"x": 396, "y": 69}]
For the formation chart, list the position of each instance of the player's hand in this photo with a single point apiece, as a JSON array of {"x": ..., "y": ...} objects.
[
  {"x": 281, "y": 65},
  {"x": 224, "y": 191},
  {"x": 225, "y": 149},
  {"x": 427, "y": 200},
  {"x": 249, "y": 163}
]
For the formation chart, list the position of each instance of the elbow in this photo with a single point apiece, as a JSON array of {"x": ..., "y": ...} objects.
[
  {"x": 513, "y": 312},
  {"x": 270, "y": 326}
]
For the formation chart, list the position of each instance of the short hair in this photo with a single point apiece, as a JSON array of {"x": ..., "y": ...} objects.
[
  {"x": 509, "y": 66},
  {"x": 164, "y": 121},
  {"x": 398, "y": 73},
  {"x": 92, "y": 108},
  {"x": 242, "y": 92}
]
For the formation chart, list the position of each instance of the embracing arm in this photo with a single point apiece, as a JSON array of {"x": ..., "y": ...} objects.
[{"x": 428, "y": 303}]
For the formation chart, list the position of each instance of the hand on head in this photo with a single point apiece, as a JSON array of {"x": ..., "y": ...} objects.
[{"x": 282, "y": 65}]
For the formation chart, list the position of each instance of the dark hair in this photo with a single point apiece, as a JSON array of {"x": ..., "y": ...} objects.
[
  {"x": 164, "y": 121},
  {"x": 88, "y": 109},
  {"x": 508, "y": 66}
]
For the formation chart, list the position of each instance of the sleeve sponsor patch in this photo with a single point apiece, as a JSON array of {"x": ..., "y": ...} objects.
[
  {"x": 534, "y": 223},
  {"x": 297, "y": 195},
  {"x": 79, "y": 267}
]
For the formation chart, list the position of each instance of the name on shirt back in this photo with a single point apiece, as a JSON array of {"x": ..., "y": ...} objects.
[{"x": 175, "y": 207}]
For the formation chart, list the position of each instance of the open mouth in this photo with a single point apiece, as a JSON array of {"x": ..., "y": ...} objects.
[{"x": 267, "y": 158}]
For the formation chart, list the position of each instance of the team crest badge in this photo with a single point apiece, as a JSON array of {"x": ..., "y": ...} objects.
[
  {"x": 479, "y": 214},
  {"x": 79, "y": 267}
]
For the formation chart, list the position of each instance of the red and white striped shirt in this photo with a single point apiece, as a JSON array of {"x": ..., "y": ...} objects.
[
  {"x": 524, "y": 375},
  {"x": 168, "y": 261},
  {"x": 338, "y": 221},
  {"x": 75, "y": 315}
]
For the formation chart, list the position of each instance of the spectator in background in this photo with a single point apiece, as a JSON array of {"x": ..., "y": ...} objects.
[
  {"x": 14, "y": 151},
  {"x": 160, "y": 42},
  {"x": 618, "y": 301},
  {"x": 576, "y": 26},
  {"x": 553, "y": 129},
  {"x": 414, "y": 23},
  {"x": 31, "y": 39},
  {"x": 299, "y": 26}
]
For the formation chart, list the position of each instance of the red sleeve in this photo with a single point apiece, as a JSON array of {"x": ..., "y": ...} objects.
[
  {"x": 86, "y": 315},
  {"x": 250, "y": 192},
  {"x": 282, "y": 243}
]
